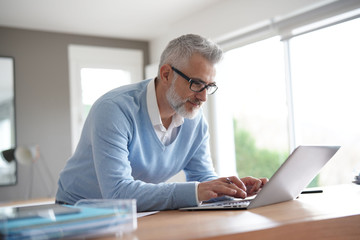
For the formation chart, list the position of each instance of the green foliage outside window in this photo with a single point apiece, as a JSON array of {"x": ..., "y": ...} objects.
[{"x": 254, "y": 161}]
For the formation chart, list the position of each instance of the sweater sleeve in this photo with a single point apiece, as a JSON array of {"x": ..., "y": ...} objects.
[
  {"x": 111, "y": 132},
  {"x": 200, "y": 167}
]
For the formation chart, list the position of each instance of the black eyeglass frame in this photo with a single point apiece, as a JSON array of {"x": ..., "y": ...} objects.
[{"x": 191, "y": 81}]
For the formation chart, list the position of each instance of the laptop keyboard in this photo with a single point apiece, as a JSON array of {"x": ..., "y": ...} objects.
[{"x": 231, "y": 204}]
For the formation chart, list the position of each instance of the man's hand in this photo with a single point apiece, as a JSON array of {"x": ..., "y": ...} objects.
[
  {"x": 253, "y": 185},
  {"x": 231, "y": 186}
]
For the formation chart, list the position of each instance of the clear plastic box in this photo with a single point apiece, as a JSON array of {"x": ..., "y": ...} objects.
[
  {"x": 88, "y": 218},
  {"x": 124, "y": 220}
]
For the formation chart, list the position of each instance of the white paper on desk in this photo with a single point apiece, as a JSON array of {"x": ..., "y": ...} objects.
[{"x": 143, "y": 214}]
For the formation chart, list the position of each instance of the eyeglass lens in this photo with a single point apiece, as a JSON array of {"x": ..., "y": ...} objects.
[{"x": 199, "y": 87}]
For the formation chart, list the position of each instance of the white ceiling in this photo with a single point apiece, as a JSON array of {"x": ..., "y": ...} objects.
[{"x": 130, "y": 19}]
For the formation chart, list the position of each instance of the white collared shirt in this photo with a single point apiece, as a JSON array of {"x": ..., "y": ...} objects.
[{"x": 166, "y": 136}]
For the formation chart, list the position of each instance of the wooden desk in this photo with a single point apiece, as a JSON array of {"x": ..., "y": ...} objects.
[
  {"x": 333, "y": 214},
  {"x": 312, "y": 216}
]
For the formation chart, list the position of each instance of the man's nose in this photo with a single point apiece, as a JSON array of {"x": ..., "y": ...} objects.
[{"x": 202, "y": 96}]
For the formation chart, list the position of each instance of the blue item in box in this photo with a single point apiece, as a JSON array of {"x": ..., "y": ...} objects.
[{"x": 105, "y": 217}]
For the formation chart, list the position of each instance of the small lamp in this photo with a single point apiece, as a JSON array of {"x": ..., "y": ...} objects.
[
  {"x": 28, "y": 156},
  {"x": 24, "y": 155}
]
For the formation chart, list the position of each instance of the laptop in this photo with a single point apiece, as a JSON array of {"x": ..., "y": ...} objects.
[{"x": 299, "y": 169}]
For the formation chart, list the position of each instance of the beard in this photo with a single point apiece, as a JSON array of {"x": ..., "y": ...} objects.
[{"x": 178, "y": 104}]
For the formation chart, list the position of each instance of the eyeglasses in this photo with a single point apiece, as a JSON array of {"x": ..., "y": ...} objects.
[{"x": 197, "y": 85}]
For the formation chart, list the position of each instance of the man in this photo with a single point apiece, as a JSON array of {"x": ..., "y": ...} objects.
[{"x": 138, "y": 136}]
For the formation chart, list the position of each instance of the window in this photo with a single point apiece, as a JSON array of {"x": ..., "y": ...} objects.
[
  {"x": 252, "y": 86},
  {"x": 92, "y": 88},
  {"x": 5, "y": 137},
  {"x": 93, "y": 72},
  {"x": 314, "y": 104},
  {"x": 326, "y": 86}
]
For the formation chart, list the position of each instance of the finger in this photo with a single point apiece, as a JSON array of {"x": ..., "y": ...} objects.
[
  {"x": 264, "y": 181},
  {"x": 236, "y": 181},
  {"x": 226, "y": 186},
  {"x": 236, "y": 184},
  {"x": 226, "y": 189},
  {"x": 210, "y": 195},
  {"x": 255, "y": 187},
  {"x": 252, "y": 185}
]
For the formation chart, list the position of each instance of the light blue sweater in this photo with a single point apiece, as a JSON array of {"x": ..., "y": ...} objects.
[{"x": 119, "y": 156}]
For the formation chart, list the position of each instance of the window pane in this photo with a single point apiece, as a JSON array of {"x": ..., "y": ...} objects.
[
  {"x": 96, "y": 81},
  {"x": 252, "y": 87},
  {"x": 326, "y": 86},
  {"x": 5, "y": 139}
]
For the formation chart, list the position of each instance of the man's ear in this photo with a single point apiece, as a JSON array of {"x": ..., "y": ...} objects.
[{"x": 165, "y": 74}]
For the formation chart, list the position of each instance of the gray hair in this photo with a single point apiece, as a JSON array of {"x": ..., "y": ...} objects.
[{"x": 179, "y": 51}]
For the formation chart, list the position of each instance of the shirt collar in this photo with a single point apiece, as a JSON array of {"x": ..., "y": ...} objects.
[{"x": 153, "y": 107}]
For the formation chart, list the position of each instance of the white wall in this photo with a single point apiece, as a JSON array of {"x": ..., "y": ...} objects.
[{"x": 42, "y": 102}]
